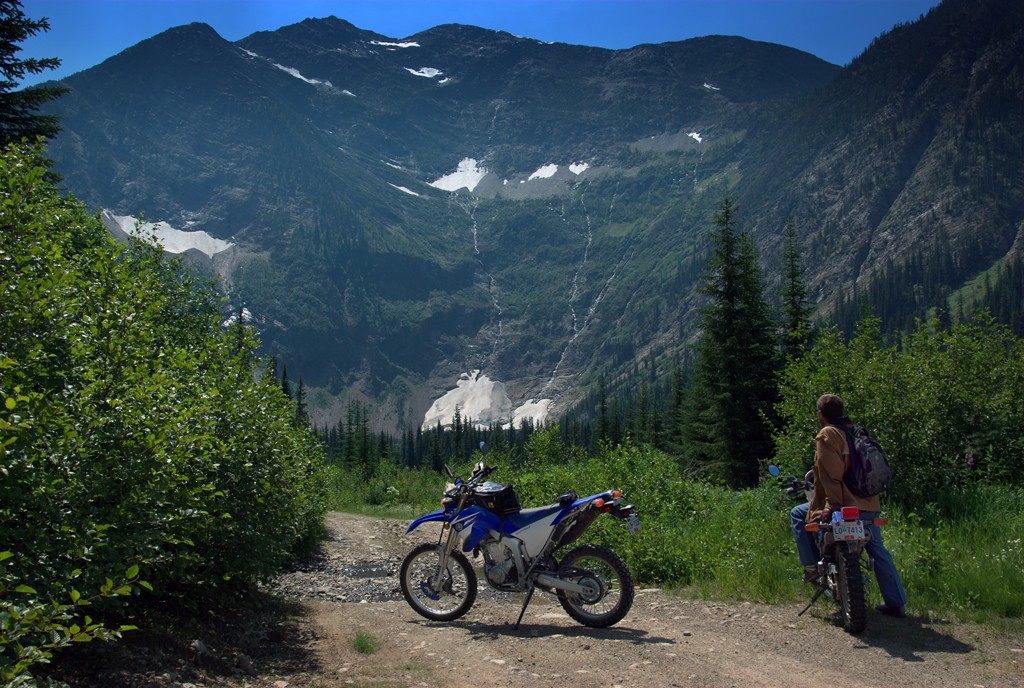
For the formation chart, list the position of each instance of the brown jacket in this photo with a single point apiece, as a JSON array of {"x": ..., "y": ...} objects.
[{"x": 831, "y": 458}]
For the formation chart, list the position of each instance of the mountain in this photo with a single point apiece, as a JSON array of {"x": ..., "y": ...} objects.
[{"x": 467, "y": 206}]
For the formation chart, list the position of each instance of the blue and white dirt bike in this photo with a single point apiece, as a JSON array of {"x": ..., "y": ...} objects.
[{"x": 519, "y": 548}]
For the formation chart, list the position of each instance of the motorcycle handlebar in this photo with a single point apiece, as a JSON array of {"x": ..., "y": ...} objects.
[
  {"x": 794, "y": 486},
  {"x": 480, "y": 472}
]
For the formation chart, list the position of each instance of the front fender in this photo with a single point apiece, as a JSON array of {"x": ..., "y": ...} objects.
[{"x": 432, "y": 517}]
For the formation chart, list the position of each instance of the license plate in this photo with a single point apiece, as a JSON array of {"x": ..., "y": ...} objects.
[
  {"x": 633, "y": 521},
  {"x": 852, "y": 530}
]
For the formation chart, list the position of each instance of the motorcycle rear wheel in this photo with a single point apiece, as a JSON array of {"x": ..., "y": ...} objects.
[
  {"x": 610, "y": 580},
  {"x": 447, "y": 601},
  {"x": 850, "y": 592}
]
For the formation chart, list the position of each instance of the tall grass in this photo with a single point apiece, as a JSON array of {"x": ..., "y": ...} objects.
[
  {"x": 960, "y": 556},
  {"x": 389, "y": 492},
  {"x": 964, "y": 554}
]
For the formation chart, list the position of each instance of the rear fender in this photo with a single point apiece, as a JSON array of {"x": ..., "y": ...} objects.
[{"x": 585, "y": 501}]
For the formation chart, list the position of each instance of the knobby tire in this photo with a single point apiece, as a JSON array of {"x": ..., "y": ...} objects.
[
  {"x": 457, "y": 592},
  {"x": 593, "y": 562},
  {"x": 850, "y": 583}
]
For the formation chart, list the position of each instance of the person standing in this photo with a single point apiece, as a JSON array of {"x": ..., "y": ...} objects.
[{"x": 831, "y": 459}]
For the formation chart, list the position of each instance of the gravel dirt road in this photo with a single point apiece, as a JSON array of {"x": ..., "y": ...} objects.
[
  {"x": 666, "y": 640},
  {"x": 351, "y": 587}
]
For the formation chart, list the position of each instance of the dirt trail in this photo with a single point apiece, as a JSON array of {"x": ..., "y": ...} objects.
[
  {"x": 665, "y": 640},
  {"x": 300, "y": 632}
]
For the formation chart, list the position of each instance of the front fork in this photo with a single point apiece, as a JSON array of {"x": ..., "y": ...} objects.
[{"x": 445, "y": 544}]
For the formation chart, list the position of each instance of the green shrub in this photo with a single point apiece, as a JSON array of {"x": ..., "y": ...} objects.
[
  {"x": 946, "y": 404},
  {"x": 134, "y": 433}
]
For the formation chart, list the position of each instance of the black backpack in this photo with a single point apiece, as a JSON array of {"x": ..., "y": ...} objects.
[{"x": 869, "y": 472}]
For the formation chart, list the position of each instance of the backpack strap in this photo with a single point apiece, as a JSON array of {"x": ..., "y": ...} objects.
[{"x": 848, "y": 456}]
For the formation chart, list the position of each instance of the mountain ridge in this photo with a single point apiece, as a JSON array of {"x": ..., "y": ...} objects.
[{"x": 332, "y": 158}]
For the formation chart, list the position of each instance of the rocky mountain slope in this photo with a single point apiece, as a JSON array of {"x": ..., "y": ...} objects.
[{"x": 405, "y": 211}]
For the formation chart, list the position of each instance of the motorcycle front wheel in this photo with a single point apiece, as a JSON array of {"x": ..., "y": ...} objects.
[
  {"x": 850, "y": 584},
  {"x": 438, "y": 600},
  {"x": 609, "y": 583}
]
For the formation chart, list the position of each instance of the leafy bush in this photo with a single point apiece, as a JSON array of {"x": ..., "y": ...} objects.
[
  {"x": 946, "y": 405},
  {"x": 134, "y": 434}
]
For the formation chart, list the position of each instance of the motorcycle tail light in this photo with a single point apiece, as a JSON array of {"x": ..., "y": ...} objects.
[{"x": 850, "y": 513}]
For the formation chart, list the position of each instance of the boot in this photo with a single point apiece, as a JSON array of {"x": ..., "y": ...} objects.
[{"x": 810, "y": 573}]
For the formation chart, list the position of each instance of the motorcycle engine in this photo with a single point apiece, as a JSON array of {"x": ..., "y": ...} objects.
[{"x": 499, "y": 563}]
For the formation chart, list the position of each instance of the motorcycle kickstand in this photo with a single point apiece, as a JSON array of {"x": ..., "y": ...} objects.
[
  {"x": 813, "y": 599},
  {"x": 529, "y": 595}
]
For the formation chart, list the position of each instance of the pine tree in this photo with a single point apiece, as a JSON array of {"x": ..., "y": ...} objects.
[
  {"x": 458, "y": 436},
  {"x": 796, "y": 326},
  {"x": 18, "y": 108},
  {"x": 285, "y": 385},
  {"x": 301, "y": 417},
  {"x": 735, "y": 378},
  {"x": 676, "y": 404},
  {"x": 602, "y": 420}
]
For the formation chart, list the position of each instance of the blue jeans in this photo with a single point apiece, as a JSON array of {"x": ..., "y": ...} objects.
[{"x": 889, "y": 583}]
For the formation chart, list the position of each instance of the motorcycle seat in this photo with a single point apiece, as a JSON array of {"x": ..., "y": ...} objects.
[{"x": 528, "y": 516}]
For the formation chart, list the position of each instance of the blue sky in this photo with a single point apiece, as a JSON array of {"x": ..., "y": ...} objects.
[{"x": 83, "y": 33}]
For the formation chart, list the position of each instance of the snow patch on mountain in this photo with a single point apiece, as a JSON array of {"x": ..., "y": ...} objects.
[
  {"x": 298, "y": 75},
  {"x": 695, "y": 136},
  {"x": 545, "y": 172},
  {"x": 385, "y": 44},
  {"x": 402, "y": 188},
  {"x": 478, "y": 398},
  {"x": 467, "y": 176},
  {"x": 578, "y": 168},
  {"x": 428, "y": 72},
  {"x": 233, "y": 318},
  {"x": 483, "y": 401},
  {"x": 162, "y": 234},
  {"x": 535, "y": 410}
]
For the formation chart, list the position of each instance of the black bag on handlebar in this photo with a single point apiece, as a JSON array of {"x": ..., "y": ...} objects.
[{"x": 499, "y": 498}]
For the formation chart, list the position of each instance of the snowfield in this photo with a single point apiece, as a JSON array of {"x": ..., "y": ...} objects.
[
  {"x": 427, "y": 72},
  {"x": 483, "y": 401},
  {"x": 545, "y": 172},
  {"x": 162, "y": 234},
  {"x": 466, "y": 176}
]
